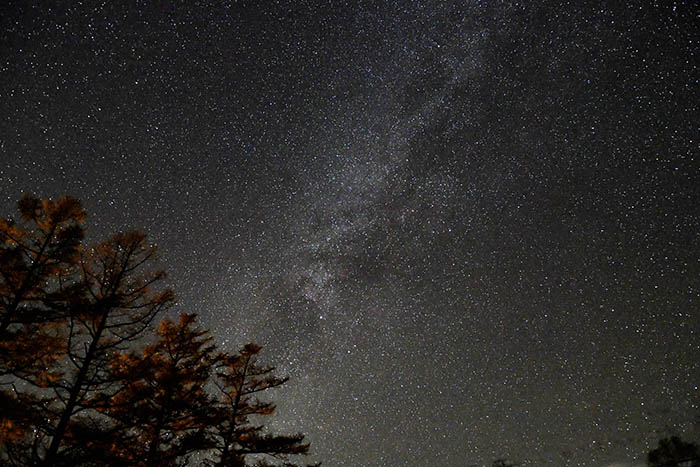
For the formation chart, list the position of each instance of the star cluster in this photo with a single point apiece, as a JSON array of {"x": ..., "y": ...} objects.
[{"x": 467, "y": 230}]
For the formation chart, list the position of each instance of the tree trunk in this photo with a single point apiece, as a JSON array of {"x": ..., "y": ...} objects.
[{"x": 60, "y": 430}]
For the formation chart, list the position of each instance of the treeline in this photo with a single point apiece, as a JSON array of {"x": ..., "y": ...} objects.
[{"x": 78, "y": 384}]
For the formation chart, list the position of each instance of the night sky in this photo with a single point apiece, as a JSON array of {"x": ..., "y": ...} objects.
[{"x": 466, "y": 230}]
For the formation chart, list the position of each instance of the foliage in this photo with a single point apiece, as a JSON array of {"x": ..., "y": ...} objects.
[
  {"x": 162, "y": 409},
  {"x": 38, "y": 259},
  {"x": 77, "y": 385},
  {"x": 240, "y": 379},
  {"x": 37, "y": 256}
]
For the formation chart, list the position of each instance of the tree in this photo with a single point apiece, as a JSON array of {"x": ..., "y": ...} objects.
[
  {"x": 34, "y": 258},
  {"x": 75, "y": 389},
  {"x": 115, "y": 309},
  {"x": 163, "y": 408},
  {"x": 107, "y": 307},
  {"x": 164, "y": 411},
  {"x": 240, "y": 380},
  {"x": 674, "y": 451},
  {"x": 38, "y": 256}
]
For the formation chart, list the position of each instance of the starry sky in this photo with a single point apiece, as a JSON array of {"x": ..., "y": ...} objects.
[{"x": 466, "y": 230}]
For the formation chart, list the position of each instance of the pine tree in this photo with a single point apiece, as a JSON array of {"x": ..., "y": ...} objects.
[
  {"x": 36, "y": 261},
  {"x": 240, "y": 380},
  {"x": 162, "y": 409},
  {"x": 74, "y": 389},
  {"x": 35, "y": 258},
  {"x": 113, "y": 312},
  {"x": 166, "y": 412},
  {"x": 38, "y": 256}
]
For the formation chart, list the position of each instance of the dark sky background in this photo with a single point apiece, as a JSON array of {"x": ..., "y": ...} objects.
[{"x": 466, "y": 230}]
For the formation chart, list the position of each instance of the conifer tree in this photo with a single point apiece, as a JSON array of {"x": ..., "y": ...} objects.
[
  {"x": 35, "y": 256},
  {"x": 113, "y": 312},
  {"x": 38, "y": 256},
  {"x": 74, "y": 389},
  {"x": 36, "y": 261},
  {"x": 237, "y": 438},
  {"x": 163, "y": 409}
]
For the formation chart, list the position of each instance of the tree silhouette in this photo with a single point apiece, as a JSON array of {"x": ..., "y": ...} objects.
[
  {"x": 162, "y": 410},
  {"x": 165, "y": 412},
  {"x": 240, "y": 380},
  {"x": 109, "y": 307},
  {"x": 115, "y": 310},
  {"x": 674, "y": 451},
  {"x": 38, "y": 256},
  {"x": 35, "y": 258},
  {"x": 74, "y": 388}
]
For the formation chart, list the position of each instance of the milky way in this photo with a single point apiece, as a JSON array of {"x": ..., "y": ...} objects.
[{"x": 465, "y": 230}]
